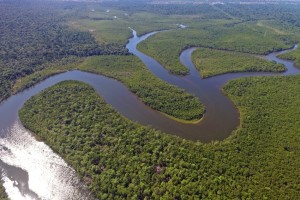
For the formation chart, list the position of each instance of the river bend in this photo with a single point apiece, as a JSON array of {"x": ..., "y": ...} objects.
[{"x": 31, "y": 170}]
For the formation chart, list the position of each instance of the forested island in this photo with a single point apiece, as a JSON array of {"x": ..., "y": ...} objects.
[{"x": 117, "y": 158}]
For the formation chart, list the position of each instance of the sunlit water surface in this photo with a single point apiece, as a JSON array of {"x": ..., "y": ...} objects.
[{"x": 31, "y": 170}]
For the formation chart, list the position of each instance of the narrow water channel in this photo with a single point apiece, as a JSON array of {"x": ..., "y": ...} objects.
[
  {"x": 221, "y": 117},
  {"x": 31, "y": 170}
]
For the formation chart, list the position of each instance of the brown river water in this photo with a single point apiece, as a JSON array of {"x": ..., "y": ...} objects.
[{"x": 31, "y": 170}]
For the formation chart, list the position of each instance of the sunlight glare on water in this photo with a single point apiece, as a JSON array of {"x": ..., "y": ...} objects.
[{"x": 31, "y": 170}]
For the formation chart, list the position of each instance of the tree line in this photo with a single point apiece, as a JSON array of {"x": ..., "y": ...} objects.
[{"x": 33, "y": 34}]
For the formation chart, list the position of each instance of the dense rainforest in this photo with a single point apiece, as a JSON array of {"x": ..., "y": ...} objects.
[
  {"x": 119, "y": 159},
  {"x": 257, "y": 29},
  {"x": 293, "y": 55},
  {"x": 212, "y": 62},
  {"x": 253, "y": 37},
  {"x": 33, "y": 34},
  {"x": 49, "y": 41},
  {"x": 151, "y": 90}
]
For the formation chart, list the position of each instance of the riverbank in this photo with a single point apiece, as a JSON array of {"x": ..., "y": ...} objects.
[
  {"x": 155, "y": 93},
  {"x": 136, "y": 111},
  {"x": 108, "y": 143}
]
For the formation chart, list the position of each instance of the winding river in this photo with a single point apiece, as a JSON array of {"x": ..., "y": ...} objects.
[{"x": 31, "y": 170}]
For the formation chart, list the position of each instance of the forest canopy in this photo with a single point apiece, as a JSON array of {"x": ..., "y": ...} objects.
[
  {"x": 33, "y": 34},
  {"x": 120, "y": 159}
]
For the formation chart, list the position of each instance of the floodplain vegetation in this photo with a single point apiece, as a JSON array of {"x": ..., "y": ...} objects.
[
  {"x": 293, "y": 56},
  {"x": 154, "y": 92},
  {"x": 256, "y": 29},
  {"x": 151, "y": 90},
  {"x": 113, "y": 26},
  {"x": 34, "y": 35},
  {"x": 211, "y": 62},
  {"x": 246, "y": 37},
  {"x": 119, "y": 159},
  {"x": 58, "y": 46}
]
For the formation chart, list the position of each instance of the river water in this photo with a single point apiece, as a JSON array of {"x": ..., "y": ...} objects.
[
  {"x": 31, "y": 170},
  {"x": 221, "y": 117}
]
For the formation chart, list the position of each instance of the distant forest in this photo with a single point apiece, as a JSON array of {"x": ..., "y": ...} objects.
[
  {"x": 33, "y": 34},
  {"x": 119, "y": 159}
]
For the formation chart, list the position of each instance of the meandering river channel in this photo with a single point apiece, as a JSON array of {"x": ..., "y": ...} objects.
[{"x": 31, "y": 170}]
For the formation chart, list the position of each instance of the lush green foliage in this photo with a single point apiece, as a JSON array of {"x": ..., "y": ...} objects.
[
  {"x": 112, "y": 26},
  {"x": 119, "y": 159},
  {"x": 292, "y": 55},
  {"x": 105, "y": 31},
  {"x": 225, "y": 35},
  {"x": 276, "y": 31},
  {"x": 48, "y": 70},
  {"x": 154, "y": 92},
  {"x": 33, "y": 34},
  {"x": 212, "y": 62}
]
